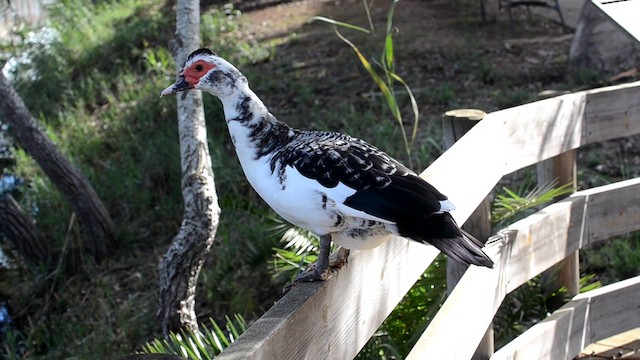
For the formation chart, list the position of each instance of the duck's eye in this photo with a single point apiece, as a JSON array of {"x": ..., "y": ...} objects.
[{"x": 199, "y": 67}]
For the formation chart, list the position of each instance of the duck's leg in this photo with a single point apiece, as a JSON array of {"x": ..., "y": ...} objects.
[{"x": 318, "y": 271}]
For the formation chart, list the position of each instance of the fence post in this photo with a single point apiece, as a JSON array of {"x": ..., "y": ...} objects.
[
  {"x": 455, "y": 124},
  {"x": 562, "y": 168}
]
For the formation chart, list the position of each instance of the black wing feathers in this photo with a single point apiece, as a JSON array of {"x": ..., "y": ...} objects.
[
  {"x": 386, "y": 188},
  {"x": 405, "y": 198}
]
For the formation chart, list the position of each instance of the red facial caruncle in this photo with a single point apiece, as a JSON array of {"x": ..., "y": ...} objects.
[{"x": 198, "y": 69}]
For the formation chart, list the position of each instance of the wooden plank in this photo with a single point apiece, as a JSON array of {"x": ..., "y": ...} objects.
[
  {"x": 623, "y": 345},
  {"x": 334, "y": 319},
  {"x": 624, "y": 14},
  {"x": 542, "y": 240},
  {"x": 612, "y": 112},
  {"x": 503, "y": 142},
  {"x": 472, "y": 155},
  {"x": 459, "y": 325},
  {"x": 586, "y": 217},
  {"x": 612, "y": 315},
  {"x": 556, "y": 337},
  {"x": 616, "y": 214},
  {"x": 514, "y": 138},
  {"x": 527, "y": 248},
  {"x": 589, "y": 317},
  {"x": 541, "y": 130}
]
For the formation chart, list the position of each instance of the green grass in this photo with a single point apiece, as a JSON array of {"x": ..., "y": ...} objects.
[
  {"x": 615, "y": 259},
  {"x": 98, "y": 99}
]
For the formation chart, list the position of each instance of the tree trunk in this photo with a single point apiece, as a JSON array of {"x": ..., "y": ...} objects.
[
  {"x": 97, "y": 227},
  {"x": 180, "y": 267},
  {"x": 20, "y": 231}
]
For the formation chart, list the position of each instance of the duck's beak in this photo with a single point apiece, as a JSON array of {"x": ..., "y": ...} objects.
[{"x": 180, "y": 85}]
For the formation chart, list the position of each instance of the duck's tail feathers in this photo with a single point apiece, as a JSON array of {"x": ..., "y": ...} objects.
[
  {"x": 441, "y": 231},
  {"x": 463, "y": 249}
]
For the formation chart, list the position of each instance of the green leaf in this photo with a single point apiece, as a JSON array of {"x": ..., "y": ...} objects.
[
  {"x": 586, "y": 283},
  {"x": 339, "y": 23},
  {"x": 388, "y": 42},
  {"x": 221, "y": 335},
  {"x": 388, "y": 52},
  {"x": 390, "y": 13},
  {"x": 199, "y": 345},
  {"x": 300, "y": 240},
  {"x": 391, "y": 100},
  {"x": 367, "y": 9},
  {"x": 386, "y": 80},
  {"x": 213, "y": 340},
  {"x": 510, "y": 203},
  {"x": 414, "y": 107},
  {"x": 236, "y": 330}
]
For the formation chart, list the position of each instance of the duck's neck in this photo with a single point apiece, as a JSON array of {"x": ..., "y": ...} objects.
[{"x": 255, "y": 133}]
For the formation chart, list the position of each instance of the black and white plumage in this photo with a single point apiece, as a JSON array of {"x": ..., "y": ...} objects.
[{"x": 339, "y": 187}]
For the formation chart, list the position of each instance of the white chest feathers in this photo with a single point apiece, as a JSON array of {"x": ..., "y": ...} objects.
[{"x": 307, "y": 204}]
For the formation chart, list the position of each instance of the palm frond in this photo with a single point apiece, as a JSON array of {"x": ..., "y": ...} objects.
[
  {"x": 511, "y": 203},
  {"x": 300, "y": 248},
  {"x": 300, "y": 240},
  {"x": 201, "y": 345}
]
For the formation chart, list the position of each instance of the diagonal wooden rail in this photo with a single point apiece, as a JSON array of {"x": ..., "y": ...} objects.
[
  {"x": 527, "y": 248},
  {"x": 589, "y": 317},
  {"x": 334, "y": 319}
]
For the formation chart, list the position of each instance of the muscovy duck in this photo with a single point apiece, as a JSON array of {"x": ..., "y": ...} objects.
[{"x": 336, "y": 186}]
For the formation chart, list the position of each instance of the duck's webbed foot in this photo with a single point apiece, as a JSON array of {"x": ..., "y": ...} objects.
[
  {"x": 339, "y": 259},
  {"x": 321, "y": 270}
]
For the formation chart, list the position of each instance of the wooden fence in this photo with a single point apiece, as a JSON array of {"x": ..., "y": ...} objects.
[{"x": 335, "y": 319}]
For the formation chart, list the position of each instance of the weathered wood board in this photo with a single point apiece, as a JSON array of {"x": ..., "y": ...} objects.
[
  {"x": 612, "y": 114},
  {"x": 622, "y": 345},
  {"x": 334, "y": 319},
  {"x": 589, "y": 317},
  {"x": 527, "y": 248},
  {"x": 514, "y": 138}
]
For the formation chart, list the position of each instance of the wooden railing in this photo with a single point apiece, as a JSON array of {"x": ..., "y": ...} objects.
[{"x": 334, "y": 319}]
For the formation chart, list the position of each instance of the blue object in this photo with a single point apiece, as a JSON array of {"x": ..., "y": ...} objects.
[
  {"x": 9, "y": 183},
  {"x": 5, "y": 319}
]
